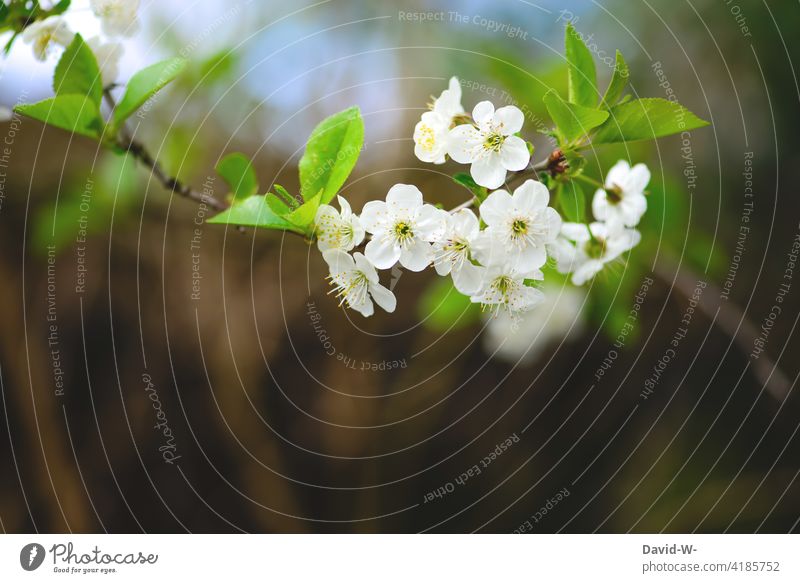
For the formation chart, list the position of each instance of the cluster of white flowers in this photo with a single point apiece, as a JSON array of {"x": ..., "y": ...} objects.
[
  {"x": 486, "y": 141},
  {"x": 492, "y": 265},
  {"x": 495, "y": 257},
  {"x": 118, "y": 18},
  {"x": 583, "y": 250}
]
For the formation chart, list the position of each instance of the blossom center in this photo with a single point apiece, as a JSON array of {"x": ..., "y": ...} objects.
[
  {"x": 494, "y": 142},
  {"x": 455, "y": 251},
  {"x": 614, "y": 194},
  {"x": 351, "y": 287},
  {"x": 427, "y": 138},
  {"x": 595, "y": 248},
  {"x": 402, "y": 231},
  {"x": 519, "y": 227}
]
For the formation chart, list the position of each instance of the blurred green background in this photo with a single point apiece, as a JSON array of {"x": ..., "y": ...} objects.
[{"x": 273, "y": 432}]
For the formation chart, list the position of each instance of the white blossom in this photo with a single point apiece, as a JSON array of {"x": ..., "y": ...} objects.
[
  {"x": 502, "y": 286},
  {"x": 622, "y": 203},
  {"x": 432, "y": 131},
  {"x": 356, "y": 282},
  {"x": 117, "y": 17},
  {"x": 490, "y": 146},
  {"x": 43, "y": 34},
  {"x": 338, "y": 230},
  {"x": 557, "y": 317},
  {"x": 402, "y": 228},
  {"x": 519, "y": 226},
  {"x": 108, "y": 56},
  {"x": 453, "y": 251},
  {"x": 6, "y": 113},
  {"x": 584, "y": 250}
]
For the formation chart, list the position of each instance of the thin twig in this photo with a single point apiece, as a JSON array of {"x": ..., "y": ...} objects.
[{"x": 172, "y": 183}]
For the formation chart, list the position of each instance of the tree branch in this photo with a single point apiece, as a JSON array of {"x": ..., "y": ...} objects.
[{"x": 174, "y": 184}]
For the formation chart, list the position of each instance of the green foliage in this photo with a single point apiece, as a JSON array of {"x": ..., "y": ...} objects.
[
  {"x": 582, "y": 74},
  {"x": 619, "y": 80},
  {"x": 646, "y": 119},
  {"x": 257, "y": 211},
  {"x": 331, "y": 153},
  {"x": 77, "y": 72},
  {"x": 572, "y": 200},
  {"x": 573, "y": 120},
  {"x": 238, "y": 173},
  {"x": 442, "y": 307},
  {"x": 75, "y": 113},
  {"x": 464, "y": 179},
  {"x": 142, "y": 86},
  {"x": 304, "y": 215},
  {"x": 283, "y": 194}
]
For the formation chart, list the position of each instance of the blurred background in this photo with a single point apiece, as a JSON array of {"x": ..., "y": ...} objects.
[{"x": 159, "y": 374}]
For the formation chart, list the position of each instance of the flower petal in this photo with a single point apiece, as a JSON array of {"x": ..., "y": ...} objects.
[
  {"x": 365, "y": 266},
  {"x": 531, "y": 196},
  {"x": 488, "y": 171},
  {"x": 417, "y": 256},
  {"x": 338, "y": 261},
  {"x": 514, "y": 154},
  {"x": 510, "y": 120},
  {"x": 575, "y": 232},
  {"x": 365, "y": 308},
  {"x": 600, "y": 205},
  {"x": 638, "y": 179},
  {"x": 430, "y": 223},
  {"x": 465, "y": 223},
  {"x": 374, "y": 216},
  {"x": 467, "y": 278},
  {"x": 631, "y": 208},
  {"x": 464, "y": 143},
  {"x": 403, "y": 198},
  {"x": 382, "y": 253},
  {"x": 383, "y": 297},
  {"x": 496, "y": 208},
  {"x": 483, "y": 113},
  {"x": 618, "y": 174}
]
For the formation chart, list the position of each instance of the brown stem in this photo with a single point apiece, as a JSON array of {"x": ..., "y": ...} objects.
[
  {"x": 140, "y": 153},
  {"x": 731, "y": 320}
]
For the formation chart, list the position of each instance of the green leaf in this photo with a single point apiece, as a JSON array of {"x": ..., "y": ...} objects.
[
  {"x": 238, "y": 173},
  {"x": 77, "y": 72},
  {"x": 10, "y": 43},
  {"x": 74, "y": 113},
  {"x": 443, "y": 308},
  {"x": 304, "y": 215},
  {"x": 284, "y": 195},
  {"x": 573, "y": 120},
  {"x": 60, "y": 7},
  {"x": 254, "y": 211},
  {"x": 572, "y": 200},
  {"x": 143, "y": 85},
  {"x": 464, "y": 179},
  {"x": 582, "y": 74},
  {"x": 619, "y": 80},
  {"x": 331, "y": 154},
  {"x": 3, "y": 12},
  {"x": 646, "y": 119}
]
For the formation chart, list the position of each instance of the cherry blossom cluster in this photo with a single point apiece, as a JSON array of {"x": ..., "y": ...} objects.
[
  {"x": 495, "y": 256},
  {"x": 118, "y": 18},
  {"x": 492, "y": 265}
]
